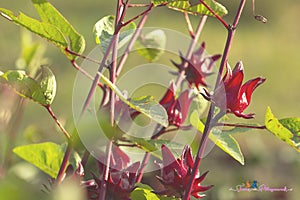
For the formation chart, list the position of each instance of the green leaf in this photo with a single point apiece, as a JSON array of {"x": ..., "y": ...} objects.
[
  {"x": 287, "y": 130},
  {"x": 152, "y": 45},
  {"x": 31, "y": 52},
  {"x": 147, "y": 145},
  {"x": 47, "y": 82},
  {"x": 193, "y": 7},
  {"x": 49, "y": 14},
  {"x": 185, "y": 6},
  {"x": 104, "y": 30},
  {"x": 143, "y": 192},
  {"x": 24, "y": 85},
  {"x": 45, "y": 30},
  {"x": 146, "y": 104},
  {"x": 223, "y": 140},
  {"x": 41, "y": 90},
  {"x": 46, "y": 156}
]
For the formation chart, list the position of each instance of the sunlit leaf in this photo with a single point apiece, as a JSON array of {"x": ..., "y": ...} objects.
[
  {"x": 223, "y": 140},
  {"x": 193, "y": 7},
  {"x": 152, "y": 45},
  {"x": 46, "y": 156},
  {"x": 143, "y": 192},
  {"x": 45, "y": 30},
  {"x": 53, "y": 27},
  {"x": 287, "y": 130},
  {"x": 41, "y": 90},
  {"x": 47, "y": 82},
  {"x": 24, "y": 85},
  {"x": 104, "y": 30},
  {"x": 146, "y": 104},
  {"x": 49, "y": 14},
  {"x": 184, "y": 6}
]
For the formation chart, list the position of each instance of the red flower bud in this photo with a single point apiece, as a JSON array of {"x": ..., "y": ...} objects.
[
  {"x": 238, "y": 96},
  {"x": 175, "y": 174}
]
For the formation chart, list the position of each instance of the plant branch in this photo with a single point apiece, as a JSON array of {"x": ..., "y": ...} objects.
[
  {"x": 137, "y": 5},
  {"x": 81, "y": 56},
  {"x": 131, "y": 43},
  {"x": 65, "y": 132},
  {"x": 139, "y": 15},
  {"x": 210, "y": 119},
  {"x": 241, "y": 126},
  {"x": 191, "y": 49},
  {"x": 64, "y": 164},
  {"x": 215, "y": 14},
  {"x": 106, "y": 171},
  {"x": 189, "y": 24},
  {"x": 85, "y": 73}
]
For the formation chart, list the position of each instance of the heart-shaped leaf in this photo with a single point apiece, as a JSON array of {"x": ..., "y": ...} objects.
[
  {"x": 152, "y": 45},
  {"x": 287, "y": 130},
  {"x": 46, "y": 156},
  {"x": 104, "y": 30},
  {"x": 54, "y": 27},
  {"x": 49, "y": 14},
  {"x": 45, "y": 30},
  {"x": 146, "y": 104},
  {"x": 41, "y": 91},
  {"x": 223, "y": 140},
  {"x": 193, "y": 7}
]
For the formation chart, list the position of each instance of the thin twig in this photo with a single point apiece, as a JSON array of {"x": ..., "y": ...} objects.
[
  {"x": 85, "y": 73},
  {"x": 189, "y": 24},
  {"x": 191, "y": 49},
  {"x": 131, "y": 43},
  {"x": 64, "y": 164},
  {"x": 139, "y": 15},
  {"x": 65, "y": 132},
  {"x": 241, "y": 126},
  {"x": 210, "y": 119},
  {"x": 82, "y": 56},
  {"x": 215, "y": 14}
]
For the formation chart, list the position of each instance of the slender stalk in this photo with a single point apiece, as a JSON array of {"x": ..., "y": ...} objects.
[
  {"x": 210, "y": 119},
  {"x": 64, "y": 164},
  {"x": 65, "y": 132},
  {"x": 191, "y": 49},
  {"x": 121, "y": 9},
  {"x": 178, "y": 82},
  {"x": 85, "y": 73},
  {"x": 102, "y": 194},
  {"x": 215, "y": 14},
  {"x": 139, "y": 15},
  {"x": 131, "y": 43},
  {"x": 189, "y": 24},
  {"x": 81, "y": 56},
  {"x": 241, "y": 126}
]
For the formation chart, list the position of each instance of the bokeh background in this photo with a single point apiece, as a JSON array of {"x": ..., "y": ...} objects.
[{"x": 270, "y": 50}]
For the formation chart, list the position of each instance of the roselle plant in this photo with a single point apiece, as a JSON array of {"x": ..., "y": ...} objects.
[{"x": 111, "y": 170}]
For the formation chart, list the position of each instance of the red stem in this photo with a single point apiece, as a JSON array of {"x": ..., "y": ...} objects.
[
  {"x": 64, "y": 164},
  {"x": 191, "y": 49},
  {"x": 131, "y": 43},
  {"x": 65, "y": 132},
  {"x": 178, "y": 82},
  {"x": 215, "y": 14},
  {"x": 189, "y": 24},
  {"x": 241, "y": 126},
  {"x": 85, "y": 73},
  {"x": 139, "y": 15},
  {"x": 210, "y": 119}
]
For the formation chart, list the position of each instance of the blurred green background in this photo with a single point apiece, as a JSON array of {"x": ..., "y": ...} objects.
[{"x": 270, "y": 50}]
